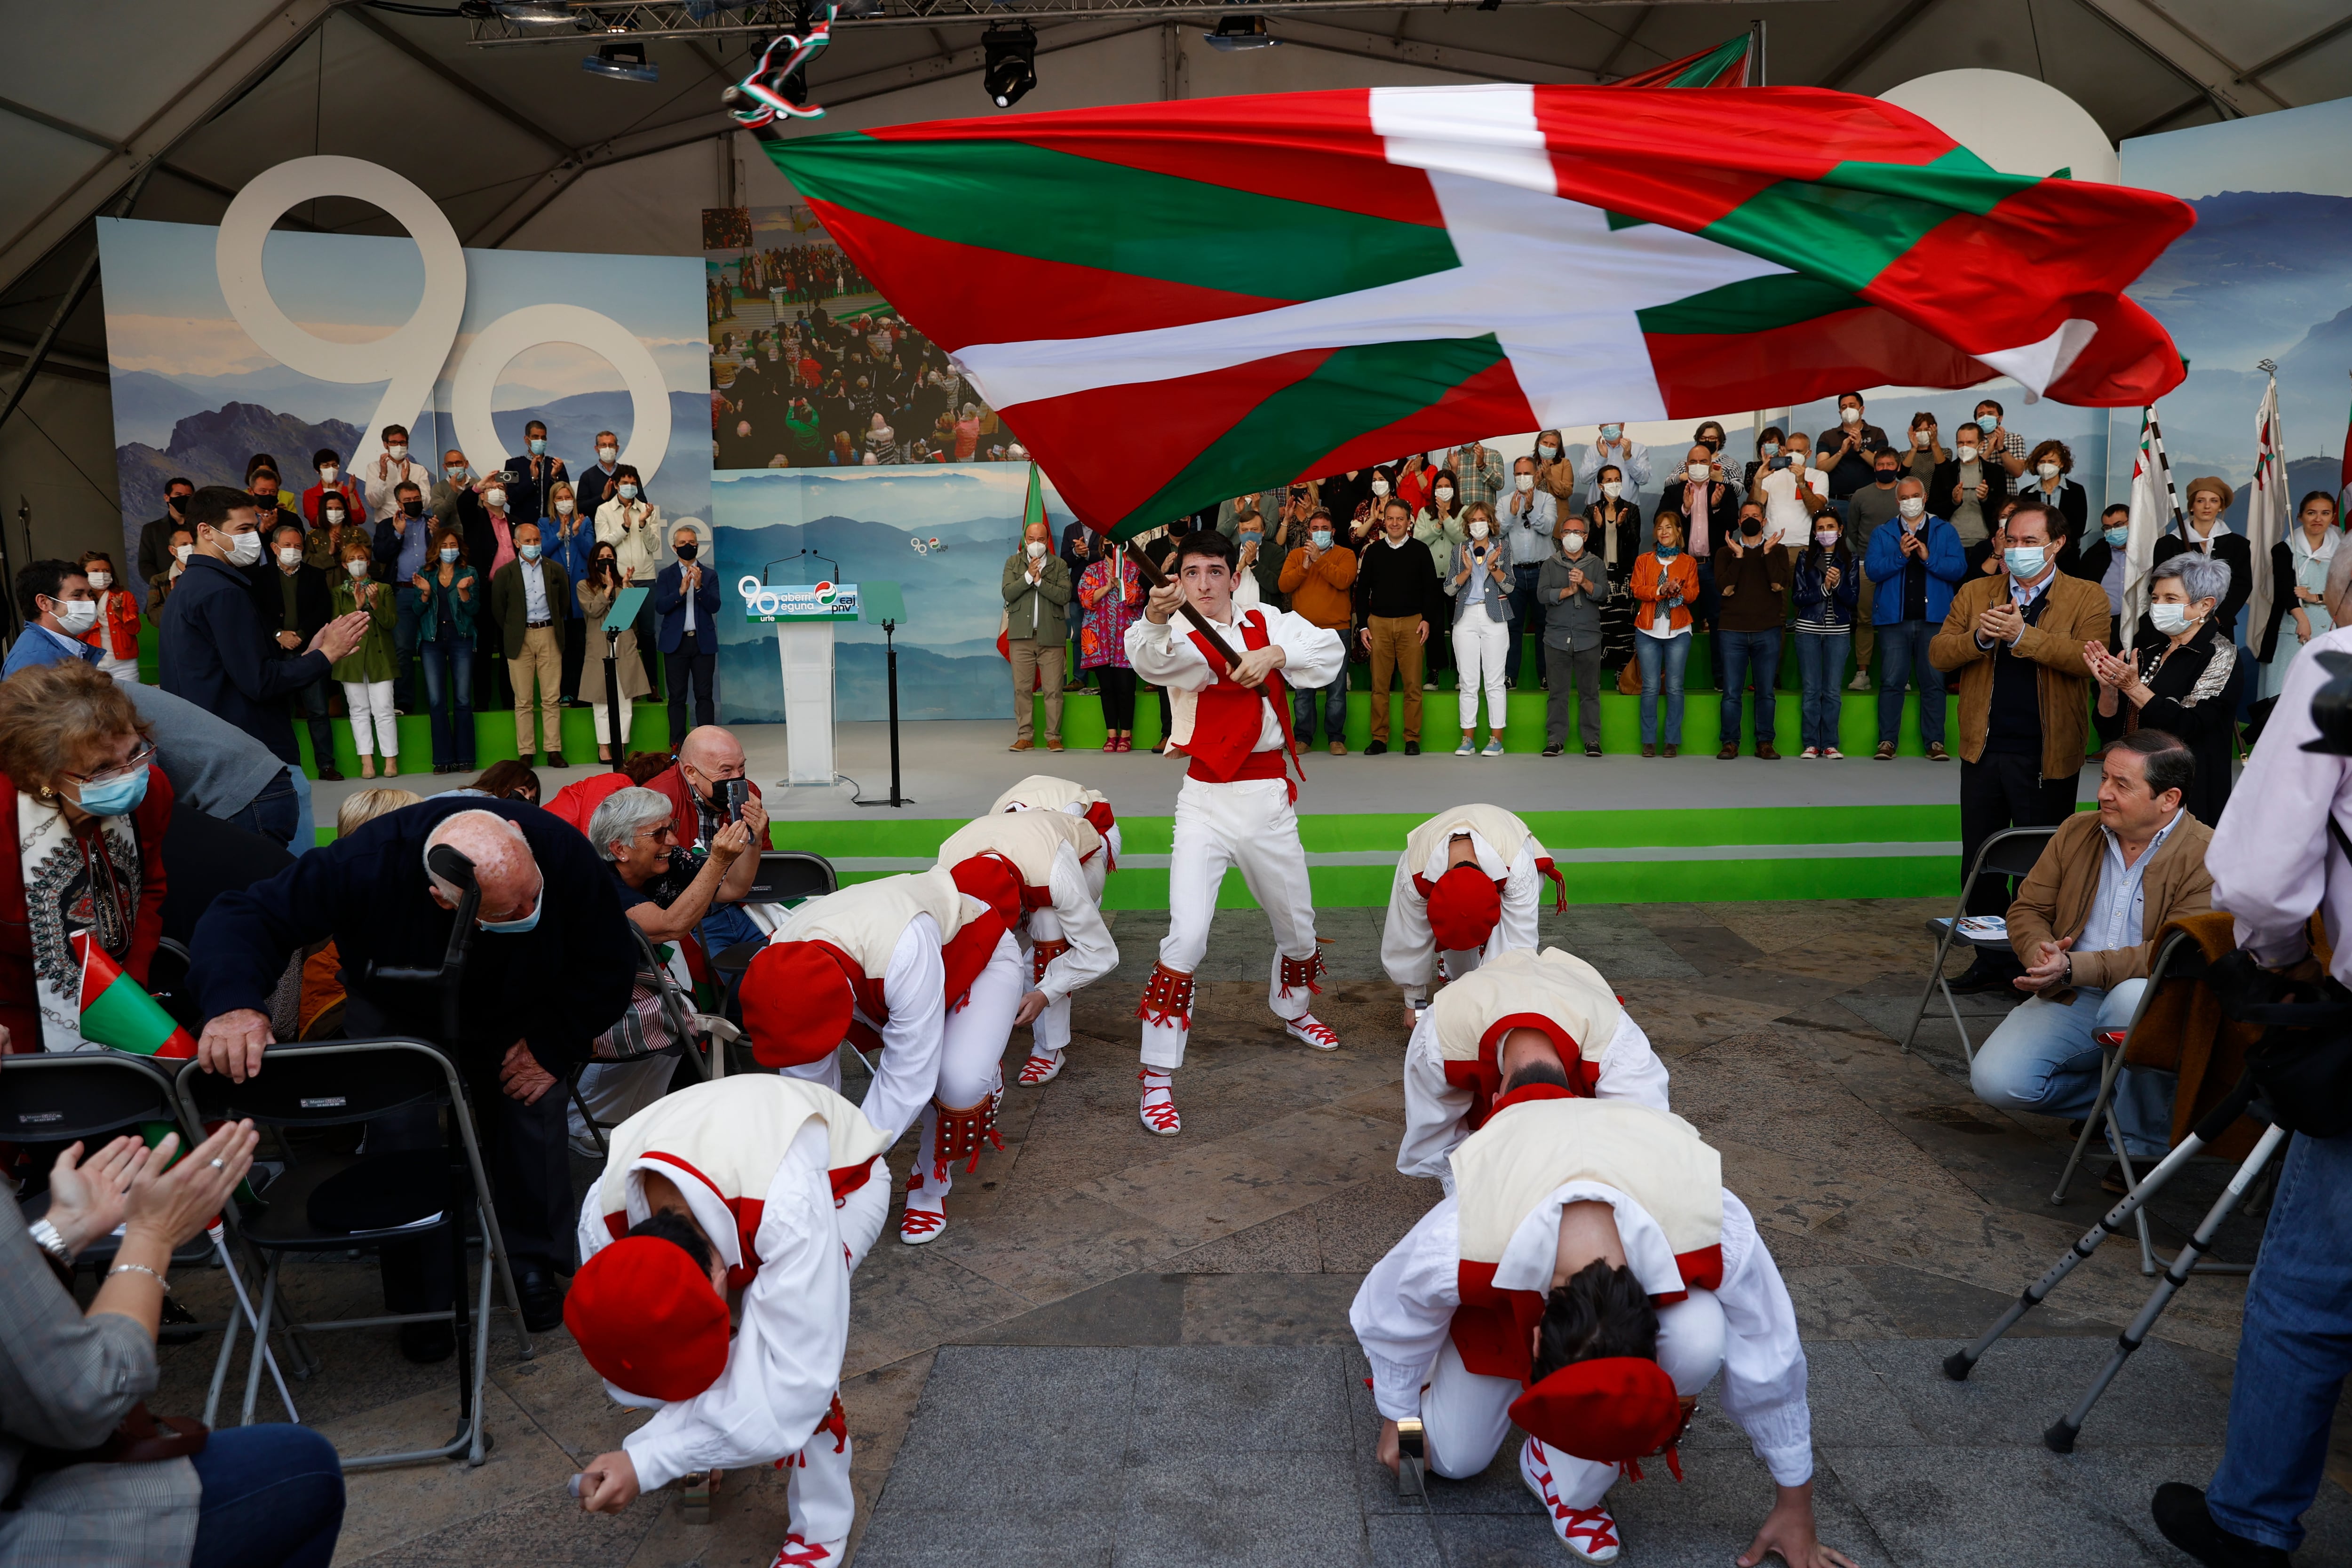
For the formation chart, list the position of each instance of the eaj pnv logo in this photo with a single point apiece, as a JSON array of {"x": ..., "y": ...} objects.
[{"x": 798, "y": 601}]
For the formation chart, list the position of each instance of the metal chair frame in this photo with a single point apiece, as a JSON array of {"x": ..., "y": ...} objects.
[
  {"x": 194, "y": 1086},
  {"x": 1992, "y": 860},
  {"x": 678, "y": 1009}
]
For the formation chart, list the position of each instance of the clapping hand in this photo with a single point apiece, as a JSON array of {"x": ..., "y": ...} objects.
[
  {"x": 86, "y": 1195},
  {"x": 2048, "y": 971}
]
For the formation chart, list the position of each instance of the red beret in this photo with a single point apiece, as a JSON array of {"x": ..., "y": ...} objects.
[
  {"x": 1464, "y": 909},
  {"x": 648, "y": 1320},
  {"x": 990, "y": 878},
  {"x": 796, "y": 1004},
  {"x": 1608, "y": 1410}
]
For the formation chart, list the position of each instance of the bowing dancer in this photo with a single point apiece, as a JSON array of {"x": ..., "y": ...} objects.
[
  {"x": 1549, "y": 1010},
  {"x": 918, "y": 968},
  {"x": 1467, "y": 889},
  {"x": 1059, "y": 860},
  {"x": 1235, "y": 807},
  {"x": 759, "y": 1193},
  {"x": 1589, "y": 1275},
  {"x": 1050, "y": 1031}
]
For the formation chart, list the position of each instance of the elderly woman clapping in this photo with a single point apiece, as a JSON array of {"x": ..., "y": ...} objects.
[
  {"x": 632, "y": 830},
  {"x": 2181, "y": 675},
  {"x": 86, "y": 809}
]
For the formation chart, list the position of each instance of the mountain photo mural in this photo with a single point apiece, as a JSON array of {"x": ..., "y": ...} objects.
[{"x": 863, "y": 525}]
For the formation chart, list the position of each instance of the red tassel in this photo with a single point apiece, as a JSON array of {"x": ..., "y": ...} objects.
[{"x": 1167, "y": 998}]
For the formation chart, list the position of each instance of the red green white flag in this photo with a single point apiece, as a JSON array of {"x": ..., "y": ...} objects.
[
  {"x": 1173, "y": 303},
  {"x": 116, "y": 1012},
  {"x": 1731, "y": 63}
]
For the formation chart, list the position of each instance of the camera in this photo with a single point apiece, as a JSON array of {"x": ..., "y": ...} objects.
[
  {"x": 1779, "y": 461},
  {"x": 2331, "y": 710},
  {"x": 733, "y": 794}
]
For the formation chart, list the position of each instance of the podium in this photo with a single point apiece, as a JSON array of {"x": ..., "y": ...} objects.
[{"x": 804, "y": 616}]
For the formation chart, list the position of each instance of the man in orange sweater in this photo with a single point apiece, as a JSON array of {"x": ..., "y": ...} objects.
[{"x": 1316, "y": 577}]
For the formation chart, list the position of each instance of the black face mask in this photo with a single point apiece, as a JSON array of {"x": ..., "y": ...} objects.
[
  {"x": 1751, "y": 527},
  {"x": 689, "y": 551},
  {"x": 172, "y": 504},
  {"x": 411, "y": 509},
  {"x": 266, "y": 500},
  {"x": 1887, "y": 476}
]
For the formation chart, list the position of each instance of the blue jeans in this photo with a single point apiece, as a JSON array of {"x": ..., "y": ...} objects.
[
  {"x": 1662, "y": 660},
  {"x": 306, "y": 819},
  {"x": 1821, "y": 663},
  {"x": 1743, "y": 654},
  {"x": 408, "y": 606},
  {"x": 1902, "y": 655},
  {"x": 2043, "y": 1059},
  {"x": 449, "y": 687},
  {"x": 1335, "y": 710},
  {"x": 2294, "y": 1351},
  {"x": 727, "y": 925},
  {"x": 275, "y": 812},
  {"x": 273, "y": 1498}
]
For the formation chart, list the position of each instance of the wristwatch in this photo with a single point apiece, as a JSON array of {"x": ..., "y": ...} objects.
[{"x": 45, "y": 1237}]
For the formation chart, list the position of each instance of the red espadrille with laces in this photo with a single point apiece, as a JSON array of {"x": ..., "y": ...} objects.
[
  {"x": 1159, "y": 1111},
  {"x": 798, "y": 1553},
  {"x": 1307, "y": 1026},
  {"x": 917, "y": 1226},
  {"x": 1588, "y": 1533},
  {"x": 1040, "y": 1069}
]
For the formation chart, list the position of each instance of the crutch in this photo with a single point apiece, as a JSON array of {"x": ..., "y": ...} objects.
[{"x": 1960, "y": 1364}]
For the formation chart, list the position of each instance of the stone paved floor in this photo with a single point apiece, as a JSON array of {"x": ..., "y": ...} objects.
[{"x": 1126, "y": 1348}]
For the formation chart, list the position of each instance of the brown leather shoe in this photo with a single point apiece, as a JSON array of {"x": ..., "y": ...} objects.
[
  {"x": 1728, "y": 753},
  {"x": 1022, "y": 746},
  {"x": 1648, "y": 750},
  {"x": 1765, "y": 753},
  {"x": 1672, "y": 748},
  {"x": 1886, "y": 752},
  {"x": 1936, "y": 752},
  {"x": 1338, "y": 748},
  {"x": 1054, "y": 743}
]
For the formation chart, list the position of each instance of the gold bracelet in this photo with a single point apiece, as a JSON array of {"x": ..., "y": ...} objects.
[{"x": 140, "y": 1268}]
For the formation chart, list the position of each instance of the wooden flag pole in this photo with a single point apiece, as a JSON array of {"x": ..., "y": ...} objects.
[{"x": 1151, "y": 574}]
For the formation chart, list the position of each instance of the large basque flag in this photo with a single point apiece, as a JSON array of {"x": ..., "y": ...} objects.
[{"x": 1173, "y": 303}]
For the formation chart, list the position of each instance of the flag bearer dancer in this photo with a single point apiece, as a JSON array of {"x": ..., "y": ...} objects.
[{"x": 1235, "y": 808}]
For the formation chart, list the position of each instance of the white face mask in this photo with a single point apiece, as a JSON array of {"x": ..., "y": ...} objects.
[
  {"x": 1611, "y": 488},
  {"x": 1696, "y": 473},
  {"x": 76, "y": 616},
  {"x": 329, "y": 473},
  {"x": 356, "y": 568},
  {"x": 1850, "y": 416},
  {"x": 1547, "y": 451},
  {"x": 606, "y": 454},
  {"x": 397, "y": 454},
  {"x": 1479, "y": 528},
  {"x": 495, "y": 499},
  {"x": 102, "y": 581},
  {"x": 1921, "y": 437},
  {"x": 2048, "y": 471},
  {"x": 1526, "y": 482},
  {"x": 1445, "y": 492},
  {"x": 2170, "y": 619},
  {"x": 629, "y": 493},
  {"x": 1572, "y": 542},
  {"x": 1036, "y": 548},
  {"x": 334, "y": 514},
  {"x": 1826, "y": 537},
  {"x": 1379, "y": 487},
  {"x": 181, "y": 553},
  {"x": 1911, "y": 507},
  {"x": 1967, "y": 453},
  {"x": 244, "y": 549},
  {"x": 289, "y": 555}
]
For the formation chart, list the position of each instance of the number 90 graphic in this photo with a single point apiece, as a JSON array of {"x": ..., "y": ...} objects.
[{"x": 410, "y": 359}]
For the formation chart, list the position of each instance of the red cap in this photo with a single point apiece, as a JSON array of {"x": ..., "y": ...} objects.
[
  {"x": 1608, "y": 1410},
  {"x": 796, "y": 1004},
  {"x": 648, "y": 1320},
  {"x": 990, "y": 878},
  {"x": 1464, "y": 909}
]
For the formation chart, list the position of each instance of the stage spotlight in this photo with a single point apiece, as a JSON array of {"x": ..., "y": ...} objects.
[
  {"x": 857, "y": 10},
  {"x": 628, "y": 62},
  {"x": 1011, "y": 54},
  {"x": 1241, "y": 33},
  {"x": 537, "y": 13}
]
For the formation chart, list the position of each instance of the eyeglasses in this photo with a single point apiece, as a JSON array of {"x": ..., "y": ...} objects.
[
  {"x": 137, "y": 760},
  {"x": 659, "y": 834}
]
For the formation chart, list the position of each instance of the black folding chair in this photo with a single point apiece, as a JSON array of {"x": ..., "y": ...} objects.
[
  {"x": 791, "y": 875},
  {"x": 335, "y": 1083},
  {"x": 2008, "y": 853},
  {"x": 93, "y": 1097},
  {"x": 678, "y": 1022}
]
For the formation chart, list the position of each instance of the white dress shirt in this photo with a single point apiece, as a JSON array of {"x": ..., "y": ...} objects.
[
  {"x": 1437, "y": 1113},
  {"x": 1629, "y": 457},
  {"x": 1408, "y": 949},
  {"x": 2272, "y": 860},
  {"x": 2118, "y": 910},
  {"x": 1166, "y": 654}
]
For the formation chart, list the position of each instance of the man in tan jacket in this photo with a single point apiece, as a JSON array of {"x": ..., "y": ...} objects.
[
  {"x": 2011, "y": 646},
  {"x": 2085, "y": 926}
]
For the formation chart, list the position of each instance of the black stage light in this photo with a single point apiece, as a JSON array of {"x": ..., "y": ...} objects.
[
  {"x": 1239, "y": 32},
  {"x": 1011, "y": 53}
]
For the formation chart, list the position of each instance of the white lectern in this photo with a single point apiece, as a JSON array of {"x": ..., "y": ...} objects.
[{"x": 804, "y": 616}]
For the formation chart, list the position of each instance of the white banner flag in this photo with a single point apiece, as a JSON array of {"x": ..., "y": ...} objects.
[
  {"x": 2153, "y": 513},
  {"x": 2266, "y": 508}
]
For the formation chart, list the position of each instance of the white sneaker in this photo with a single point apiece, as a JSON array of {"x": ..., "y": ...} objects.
[
  {"x": 1494, "y": 748},
  {"x": 1465, "y": 749},
  {"x": 1860, "y": 682},
  {"x": 1808, "y": 754},
  {"x": 1588, "y": 1533}
]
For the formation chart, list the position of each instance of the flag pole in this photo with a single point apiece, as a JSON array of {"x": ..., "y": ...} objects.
[{"x": 1756, "y": 54}]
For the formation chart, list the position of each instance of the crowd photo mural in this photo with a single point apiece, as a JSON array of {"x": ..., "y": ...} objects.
[{"x": 848, "y": 448}]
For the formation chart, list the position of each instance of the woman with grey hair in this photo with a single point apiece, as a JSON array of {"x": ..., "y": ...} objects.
[{"x": 2181, "y": 675}]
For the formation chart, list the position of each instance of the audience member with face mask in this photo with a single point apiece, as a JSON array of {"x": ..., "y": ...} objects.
[{"x": 1914, "y": 562}]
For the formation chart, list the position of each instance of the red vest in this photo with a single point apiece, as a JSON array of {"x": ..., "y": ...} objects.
[{"x": 1223, "y": 746}]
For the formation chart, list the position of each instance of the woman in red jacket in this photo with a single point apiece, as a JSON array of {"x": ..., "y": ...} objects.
[
  {"x": 86, "y": 807},
  {"x": 116, "y": 635}
]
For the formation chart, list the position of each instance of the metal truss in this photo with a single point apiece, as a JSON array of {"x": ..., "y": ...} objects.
[{"x": 605, "y": 21}]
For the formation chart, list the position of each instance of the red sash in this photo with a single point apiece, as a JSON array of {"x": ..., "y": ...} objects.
[{"x": 1225, "y": 722}]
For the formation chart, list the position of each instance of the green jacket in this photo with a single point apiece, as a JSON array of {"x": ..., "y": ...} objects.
[
  {"x": 374, "y": 659},
  {"x": 1035, "y": 612},
  {"x": 508, "y": 606},
  {"x": 440, "y": 603}
]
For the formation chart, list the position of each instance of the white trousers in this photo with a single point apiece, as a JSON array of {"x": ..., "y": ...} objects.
[
  {"x": 822, "y": 1501},
  {"x": 1467, "y": 1416},
  {"x": 1049, "y": 1033},
  {"x": 371, "y": 700},
  {"x": 971, "y": 1064},
  {"x": 122, "y": 672},
  {"x": 605, "y": 721},
  {"x": 1480, "y": 645},
  {"x": 1250, "y": 825},
  {"x": 615, "y": 1091}
]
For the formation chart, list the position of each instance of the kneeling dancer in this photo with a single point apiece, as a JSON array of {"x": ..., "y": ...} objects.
[
  {"x": 1548, "y": 1010},
  {"x": 1059, "y": 860},
  {"x": 1236, "y": 805},
  {"x": 765, "y": 1192},
  {"x": 1587, "y": 1279},
  {"x": 1467, "y": 889},
  {"x": 919, "y": 967}
]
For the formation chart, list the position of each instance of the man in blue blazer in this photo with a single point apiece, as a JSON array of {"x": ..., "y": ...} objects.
[
  {"x": 686, "y": 597},
  {"x": 1914, "y": 564}
]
